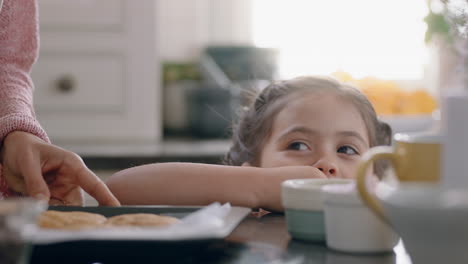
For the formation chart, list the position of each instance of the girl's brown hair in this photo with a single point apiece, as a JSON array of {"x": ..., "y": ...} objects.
[{"x": 253, "y": 128}]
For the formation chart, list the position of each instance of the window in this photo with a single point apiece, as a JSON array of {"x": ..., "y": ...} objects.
[{"x": 380, "y": 38}]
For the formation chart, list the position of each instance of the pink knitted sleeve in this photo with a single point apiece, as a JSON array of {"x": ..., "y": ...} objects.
[{"x": 19, "y": 41}]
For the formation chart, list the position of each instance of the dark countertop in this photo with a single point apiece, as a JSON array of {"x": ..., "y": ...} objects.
[
  {"x": 255, "y": 240},
  {"x": 116, "y": 157}
]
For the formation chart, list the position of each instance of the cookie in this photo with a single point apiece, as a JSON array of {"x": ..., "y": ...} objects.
[
  {"x": 70, "y": 220},
  {"x": 141, "y": 220}
]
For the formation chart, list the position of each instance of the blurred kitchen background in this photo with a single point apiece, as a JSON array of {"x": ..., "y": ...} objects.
[{"x": 127, "y": 82}]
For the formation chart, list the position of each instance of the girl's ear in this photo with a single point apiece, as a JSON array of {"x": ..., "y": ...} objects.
[{"x": 246, "y": 164}]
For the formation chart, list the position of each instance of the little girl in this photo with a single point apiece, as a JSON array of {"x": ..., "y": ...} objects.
[{"x": 307, "y": 127}]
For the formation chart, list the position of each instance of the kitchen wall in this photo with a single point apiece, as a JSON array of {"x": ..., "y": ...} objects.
[
  {"x": 98, "y": 85},
  {"x": 185, "y": 27}
]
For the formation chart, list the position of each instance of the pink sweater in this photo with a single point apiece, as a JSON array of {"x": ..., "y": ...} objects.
[{"x": 19, "y": 42}]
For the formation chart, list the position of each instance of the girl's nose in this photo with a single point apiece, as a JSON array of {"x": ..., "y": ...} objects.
[{"x": 327, "y": 167}]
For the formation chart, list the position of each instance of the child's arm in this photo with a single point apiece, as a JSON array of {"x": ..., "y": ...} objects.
[{"x": 202, "y": 184}]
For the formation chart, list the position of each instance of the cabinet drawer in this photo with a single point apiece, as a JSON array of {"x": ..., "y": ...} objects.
[
  {"x": 80, "y": 82},
  {"x": 81, "y": 15}
]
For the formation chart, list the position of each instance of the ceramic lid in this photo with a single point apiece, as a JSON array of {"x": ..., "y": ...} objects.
[{"x": 304, "y": 194}]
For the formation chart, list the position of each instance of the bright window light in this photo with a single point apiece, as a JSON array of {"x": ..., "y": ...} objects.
[{"x": 380, "y": 38}]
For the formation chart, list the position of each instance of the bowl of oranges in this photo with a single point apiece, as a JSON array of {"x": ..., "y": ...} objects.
[{"x": 406, "y": 108}]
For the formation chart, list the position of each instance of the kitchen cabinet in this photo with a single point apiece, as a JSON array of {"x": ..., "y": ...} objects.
[{"x": 97, "y": 80}]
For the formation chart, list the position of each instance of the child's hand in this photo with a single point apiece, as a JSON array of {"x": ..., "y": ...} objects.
[
  {"x": 301, "y": 172},
  {"x": 269, "y": 194}
]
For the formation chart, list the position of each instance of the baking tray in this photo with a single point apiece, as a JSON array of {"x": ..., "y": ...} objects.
[
  {"x": 124, "y": 250},
  {"x": 108, "y": 211},
  {"x": 225, "y": 218}
]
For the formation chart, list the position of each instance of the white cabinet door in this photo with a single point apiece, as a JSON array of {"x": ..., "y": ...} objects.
[
  {"x": 80, "y": 82},
  {"x": 97, "y": 87},
  {"x": 82, "y": 14}
]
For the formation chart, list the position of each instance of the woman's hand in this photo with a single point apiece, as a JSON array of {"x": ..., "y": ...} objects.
[{"x": 44, "y": 171}]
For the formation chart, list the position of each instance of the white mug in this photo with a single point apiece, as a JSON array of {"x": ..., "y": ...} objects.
[{"x": 430, "y": 219}]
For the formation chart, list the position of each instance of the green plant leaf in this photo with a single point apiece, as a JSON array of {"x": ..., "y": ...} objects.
[{"x": 436, "y": 25}]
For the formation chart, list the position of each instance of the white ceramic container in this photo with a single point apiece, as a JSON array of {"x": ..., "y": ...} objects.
[
  {"x": 350, "y": 226},
  {"x": 303, "y": 207}
]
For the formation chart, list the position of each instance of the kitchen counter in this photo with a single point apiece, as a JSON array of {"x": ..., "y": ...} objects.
[
  {"x": 122, "y": 156},
  {"x": 255, "y": 240}
]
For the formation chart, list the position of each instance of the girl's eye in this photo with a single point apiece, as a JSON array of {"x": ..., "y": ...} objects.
[
  {"x": 298, "y": 146},
  {"x": 347, "y": 150}
]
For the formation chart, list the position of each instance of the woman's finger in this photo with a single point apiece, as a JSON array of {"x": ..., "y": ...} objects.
[
  {"x": 95, "y": 187},
  {"x": 32, "y": 174}
]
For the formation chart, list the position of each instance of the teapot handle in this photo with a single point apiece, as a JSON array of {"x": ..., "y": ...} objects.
[{"x": 373, "y": 154}]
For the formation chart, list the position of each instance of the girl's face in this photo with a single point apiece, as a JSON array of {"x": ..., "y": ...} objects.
[{"x": 320, "y": 130}]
